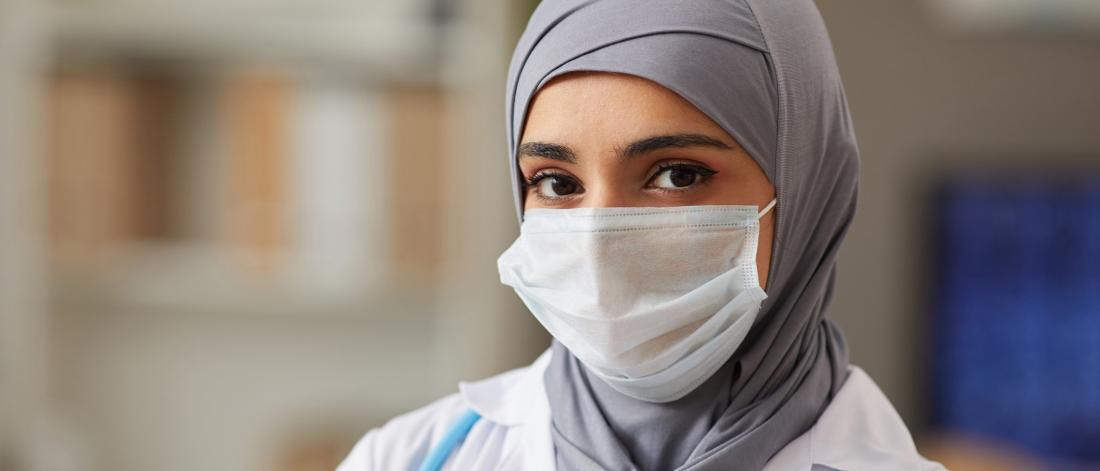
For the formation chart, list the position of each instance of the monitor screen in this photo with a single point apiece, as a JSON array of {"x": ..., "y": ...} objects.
[{"x": 1015, "y": 350}]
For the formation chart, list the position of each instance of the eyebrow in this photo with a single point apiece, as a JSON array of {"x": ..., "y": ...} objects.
[
  {"x": 547, "y": 151},
  {"x": 634, "y": 149},
  {"x": 654, "y": 143}
]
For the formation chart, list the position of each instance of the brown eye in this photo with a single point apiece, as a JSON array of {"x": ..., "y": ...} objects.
[
  {"x": 680, "y": 176},
  {"x": 555, "y": 186}
]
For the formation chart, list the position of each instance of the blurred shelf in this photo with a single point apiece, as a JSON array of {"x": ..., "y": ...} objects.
[
  {"x": 371, "y": 39},
  {"x": 206, "y": 281},
  {"x": 1047, "y": 17}
]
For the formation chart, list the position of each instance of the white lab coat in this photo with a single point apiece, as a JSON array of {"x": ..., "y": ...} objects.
[{"x": 859, "y": 431}]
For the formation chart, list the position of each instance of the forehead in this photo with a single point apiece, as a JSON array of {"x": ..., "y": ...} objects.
[{"x": 608, "y": 108}]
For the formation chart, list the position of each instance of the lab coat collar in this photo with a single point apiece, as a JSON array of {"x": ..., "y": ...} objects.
[
  {"x": 517, "y": 400},
  {"x": 861, "y": 430},
  {"x": 517, "y": 397}
]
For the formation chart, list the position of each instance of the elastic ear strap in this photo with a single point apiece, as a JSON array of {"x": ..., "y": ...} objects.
[{"x": 767, "y": 208}]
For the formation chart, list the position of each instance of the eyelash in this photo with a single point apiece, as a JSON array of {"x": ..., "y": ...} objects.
[
  {"x": 540, "y": 176},
  {"x": 704, "y": 173}
]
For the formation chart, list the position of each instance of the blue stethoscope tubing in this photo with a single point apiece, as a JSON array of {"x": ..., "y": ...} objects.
[{"x": 457, "y": 433}]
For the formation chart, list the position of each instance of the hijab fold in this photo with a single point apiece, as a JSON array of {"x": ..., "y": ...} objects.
[{"x": 764, "y": 71}]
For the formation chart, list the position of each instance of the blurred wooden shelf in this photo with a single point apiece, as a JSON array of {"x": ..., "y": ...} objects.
[
  {"x": 204, "y": 281},
  {"x": 324, "y": 34},
  {"x": 1029, "y": 17}
]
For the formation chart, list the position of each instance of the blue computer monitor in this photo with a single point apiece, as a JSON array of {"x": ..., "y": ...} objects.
[{"x": 1015, "y": 350}]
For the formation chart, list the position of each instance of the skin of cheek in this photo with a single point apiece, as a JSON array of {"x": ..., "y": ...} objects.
[
  {"x": 764, "y": 247},
  {"x": 580, "y": 110}
]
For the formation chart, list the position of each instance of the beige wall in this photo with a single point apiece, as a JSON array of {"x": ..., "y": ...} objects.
[
  {"x": 23, "y": 416},
  {"x": 924, "y": 101}
]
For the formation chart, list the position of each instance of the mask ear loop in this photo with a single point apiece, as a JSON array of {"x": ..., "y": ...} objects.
[{"x": 767, "y": 208}]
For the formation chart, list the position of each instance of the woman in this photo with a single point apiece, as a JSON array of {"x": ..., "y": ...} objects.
[{"x": 670, "y": 161}]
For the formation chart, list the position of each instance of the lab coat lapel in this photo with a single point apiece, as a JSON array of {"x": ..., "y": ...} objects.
[{"x": 521, "y": 405}]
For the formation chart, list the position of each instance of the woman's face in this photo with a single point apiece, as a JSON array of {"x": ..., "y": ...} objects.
[{"x": 611, "y": 140}]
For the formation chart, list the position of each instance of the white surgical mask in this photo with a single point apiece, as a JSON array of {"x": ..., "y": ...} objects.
[{"x": 651, "y": 300}]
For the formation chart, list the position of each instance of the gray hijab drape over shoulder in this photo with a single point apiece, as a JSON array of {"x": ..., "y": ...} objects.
[{"x": 764, "y": 71}]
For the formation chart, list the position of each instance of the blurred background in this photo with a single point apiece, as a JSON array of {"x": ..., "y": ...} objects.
[{"x": 237, "y": 234}]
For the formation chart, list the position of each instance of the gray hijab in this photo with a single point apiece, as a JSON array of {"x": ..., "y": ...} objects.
[{"x": 764, "y": 71}]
